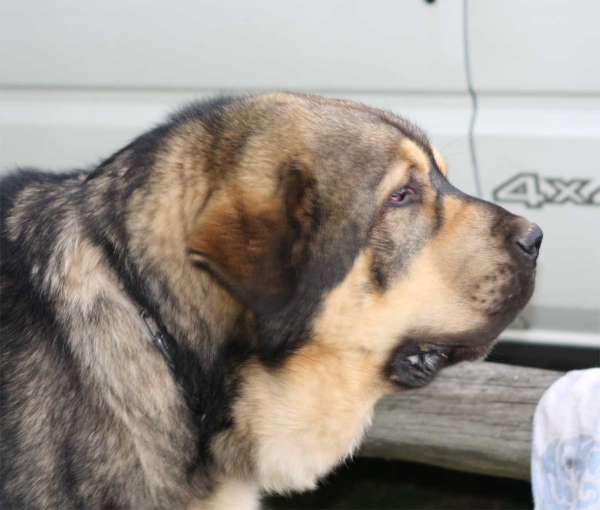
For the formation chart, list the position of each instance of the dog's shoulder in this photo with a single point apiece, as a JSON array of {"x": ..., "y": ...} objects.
[
  {"x": 32, "y": 191},
  {"x": 28, "y": 231}
]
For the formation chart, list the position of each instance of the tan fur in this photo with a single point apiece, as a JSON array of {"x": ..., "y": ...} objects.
[
  {"x": 414, "y": 155},
  {"x": 229, "y": 494},
  {"x": 441, "y": 163}
]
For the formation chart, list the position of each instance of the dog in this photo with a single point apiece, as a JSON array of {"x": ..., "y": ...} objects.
[{"x": 213, "y": 311}]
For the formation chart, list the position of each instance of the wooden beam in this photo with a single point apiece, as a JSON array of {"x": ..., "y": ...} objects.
[{"x": 475, "y": 417}]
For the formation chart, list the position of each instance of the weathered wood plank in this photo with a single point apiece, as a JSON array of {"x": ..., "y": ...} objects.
[{"x": 476, "y": 417}]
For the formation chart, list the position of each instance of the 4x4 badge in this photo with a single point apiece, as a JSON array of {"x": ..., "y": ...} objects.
[{"x": 534, "y": 191}]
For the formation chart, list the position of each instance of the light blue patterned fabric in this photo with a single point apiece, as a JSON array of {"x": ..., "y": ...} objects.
[{"x": 565, "y": 463}]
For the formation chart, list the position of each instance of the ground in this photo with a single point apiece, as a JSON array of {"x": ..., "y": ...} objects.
[{"x": 380, "y": 484}]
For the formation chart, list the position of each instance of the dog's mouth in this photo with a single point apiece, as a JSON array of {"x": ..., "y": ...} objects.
[{"x": 415, "y": 365}]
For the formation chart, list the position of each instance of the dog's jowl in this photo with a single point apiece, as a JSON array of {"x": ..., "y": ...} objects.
[{"x": 215, "y": 309}]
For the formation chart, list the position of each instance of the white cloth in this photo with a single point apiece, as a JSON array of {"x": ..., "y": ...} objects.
[{"x": 565, "y": 460}]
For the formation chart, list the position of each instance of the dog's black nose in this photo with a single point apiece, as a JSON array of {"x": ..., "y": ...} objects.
[{"x": 531, "y": 242}]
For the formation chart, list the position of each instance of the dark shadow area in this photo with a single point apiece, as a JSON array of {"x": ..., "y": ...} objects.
[
  {"x": 550, "y": 357},
  {"x": 381, "y": 484}
]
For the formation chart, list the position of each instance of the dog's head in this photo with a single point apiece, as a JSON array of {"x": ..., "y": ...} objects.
[
  {"x": 363, "y": 269},
  {"x": 337, "y": 222}
]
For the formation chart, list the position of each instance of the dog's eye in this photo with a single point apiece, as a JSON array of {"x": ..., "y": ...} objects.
[{"x": 403, "y": 196}]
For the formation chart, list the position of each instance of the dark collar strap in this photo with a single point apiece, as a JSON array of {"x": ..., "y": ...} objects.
[{"x": 158, "y": 338}]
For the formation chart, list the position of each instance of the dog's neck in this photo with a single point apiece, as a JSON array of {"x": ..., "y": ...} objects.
[{"x": 143, "y": 236}]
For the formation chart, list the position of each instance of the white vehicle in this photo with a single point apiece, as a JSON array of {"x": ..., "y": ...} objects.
[{"x": 508, "y": 89}]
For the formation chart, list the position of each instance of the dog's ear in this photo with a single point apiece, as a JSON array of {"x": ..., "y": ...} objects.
[{"x": 253, "y": 240}]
